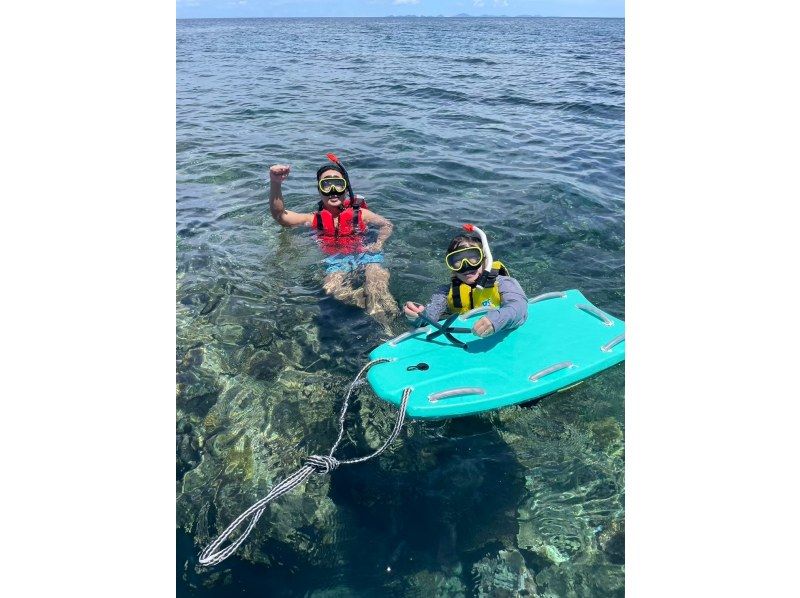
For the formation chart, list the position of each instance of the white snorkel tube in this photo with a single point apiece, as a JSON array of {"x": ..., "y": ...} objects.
[{"x": 487, "y": 253}]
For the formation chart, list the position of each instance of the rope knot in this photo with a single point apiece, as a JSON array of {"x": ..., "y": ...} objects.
[{"x": 322, "y": 463}]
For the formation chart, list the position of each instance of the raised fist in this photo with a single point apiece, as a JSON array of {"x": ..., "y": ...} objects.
[{"x": 279, "y": 172}]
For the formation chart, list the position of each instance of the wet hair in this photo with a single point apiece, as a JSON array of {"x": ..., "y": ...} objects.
[
  {"x": 461, "y": 241},
  {"x": 329, "y": 166}
]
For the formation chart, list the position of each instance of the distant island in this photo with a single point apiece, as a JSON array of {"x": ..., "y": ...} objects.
[{"x": 463, "y": 15}]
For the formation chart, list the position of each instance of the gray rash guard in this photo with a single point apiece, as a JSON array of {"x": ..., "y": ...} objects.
[{"x": 512, "y": 312}]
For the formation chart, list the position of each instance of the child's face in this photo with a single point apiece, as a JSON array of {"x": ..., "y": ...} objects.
[{"x": 471, "y": 277}]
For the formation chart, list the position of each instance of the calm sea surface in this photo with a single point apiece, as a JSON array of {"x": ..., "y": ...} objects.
[{"x": 516, "y": 125}]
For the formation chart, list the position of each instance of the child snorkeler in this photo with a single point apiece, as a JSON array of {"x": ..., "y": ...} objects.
[{"x": 477, "y": 281}]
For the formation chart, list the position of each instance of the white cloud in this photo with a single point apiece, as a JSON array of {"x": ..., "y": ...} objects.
[
  {"x": 406, "y": 2},
  {"x": 478, "y": 3},
  {"x": 501, "y": 2}
]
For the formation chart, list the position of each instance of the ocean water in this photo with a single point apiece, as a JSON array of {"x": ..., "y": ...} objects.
[{"x": 516, "y": 125}]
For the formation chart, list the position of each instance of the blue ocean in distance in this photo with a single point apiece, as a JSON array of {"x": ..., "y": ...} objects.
[{"x": 514, "y": 124}]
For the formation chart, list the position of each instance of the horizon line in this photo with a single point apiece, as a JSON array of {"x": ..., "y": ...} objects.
[{"x": 465, "y": 16}]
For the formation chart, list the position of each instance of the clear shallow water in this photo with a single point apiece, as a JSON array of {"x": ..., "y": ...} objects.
[{"x": 514, "y": 124}]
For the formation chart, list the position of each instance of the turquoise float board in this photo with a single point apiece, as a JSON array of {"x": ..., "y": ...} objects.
[{"x": 560, "y": 341}]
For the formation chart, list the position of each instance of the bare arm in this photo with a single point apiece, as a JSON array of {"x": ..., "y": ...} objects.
[
  {"x": 384, "y": 232},
  {"x": 284, "y": 217}
]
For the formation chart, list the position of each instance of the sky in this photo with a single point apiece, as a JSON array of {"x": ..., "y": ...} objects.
[{"x": 190, "y": 9}]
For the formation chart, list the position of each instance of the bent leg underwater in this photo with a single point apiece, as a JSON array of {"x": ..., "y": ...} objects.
[
  {"x": 380, "y": 303},
  {"x": 339, "y": 285}
]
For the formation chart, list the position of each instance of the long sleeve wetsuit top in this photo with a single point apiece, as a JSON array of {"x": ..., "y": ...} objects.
[{"x": 512, "y": 312}]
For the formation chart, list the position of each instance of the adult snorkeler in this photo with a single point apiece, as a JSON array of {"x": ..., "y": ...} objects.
[{"x": 341, "y": 220}]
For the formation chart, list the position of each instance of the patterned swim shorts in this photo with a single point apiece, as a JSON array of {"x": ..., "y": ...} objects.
[{"x": 351, "y": 262}]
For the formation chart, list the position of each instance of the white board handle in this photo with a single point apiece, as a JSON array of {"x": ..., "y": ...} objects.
[
  {"x": 405, "y": 335},
  {"x": 456, "y": 392},
  {"x": 550, "y": 370},
  {"x": 596, "y": 313},
  {"x": 543, "y": 296},
  {"x": 614, "y": 341}
]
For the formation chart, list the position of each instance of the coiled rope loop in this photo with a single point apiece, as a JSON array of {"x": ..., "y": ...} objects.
[{"x": 320, "y": 464}]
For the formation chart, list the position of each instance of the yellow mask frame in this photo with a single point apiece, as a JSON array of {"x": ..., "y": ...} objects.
[{"x": 473, "y": 256}]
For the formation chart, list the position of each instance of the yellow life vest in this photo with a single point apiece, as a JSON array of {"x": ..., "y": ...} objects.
[{"x": 463, "y": 297}]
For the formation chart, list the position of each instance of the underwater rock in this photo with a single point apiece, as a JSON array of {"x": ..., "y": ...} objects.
[
  {"x": 294, "y": 524},
  {"x": 200, "y": 377},
  {"x": 376, "y": 418},
  {"x": 260, "y": 334},
  {"x": 436, "y": 583},
  {"x": 230, "y": 333},
  {"x": 217, "y": 578},
  {"x": 192, "y": 293},
  {"x": 265, "y": 365},
  {"x": 193, "y": 357},
  {"x": 504, "y": 576},
  {"x": 574, "y": 464},
  {"x": 250, "y": 439},
  {"x": 187, "y": 451},
  {"x": 559, "y": 525},
  {"x": 608, "y": 435},
  {"x": 195, "y": 390},
  {"x": 586, "y": 578},
  {"x": 573, "y": 488},
  {"x": 203, "y": 373},
  {"x": 612, "y": 541},
  {"x": 248, "y": 417},
  {"x": 337, "y": 592},
  {"x": 530, "y": 538}
]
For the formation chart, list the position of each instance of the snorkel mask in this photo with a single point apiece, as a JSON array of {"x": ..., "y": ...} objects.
[
  {"x": 464, "y": 259},
  {"x": 335, "y": 186},
  {"x": 332, "y": 186}
]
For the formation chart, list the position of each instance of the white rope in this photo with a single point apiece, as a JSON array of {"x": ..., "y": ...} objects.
[{"x": 321, "y": 464}]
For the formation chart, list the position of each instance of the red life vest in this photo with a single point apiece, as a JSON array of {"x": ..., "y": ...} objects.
[{"x": 342, "y": 237}]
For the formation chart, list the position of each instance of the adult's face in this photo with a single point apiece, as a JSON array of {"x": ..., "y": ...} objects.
[{"x": 332, "y": 201}]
